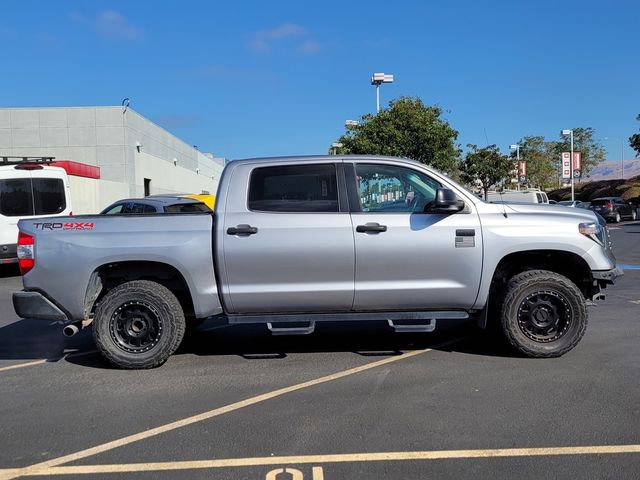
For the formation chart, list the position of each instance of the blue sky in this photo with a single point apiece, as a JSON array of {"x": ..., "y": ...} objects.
[{"x": 259, "y": 78}]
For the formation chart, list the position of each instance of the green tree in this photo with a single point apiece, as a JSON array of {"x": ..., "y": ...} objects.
[
  {"x": 634, "y": 140},
  {"x": 541, "y": 164},
  {"x": 583, "y": 141},
  {"x": 408, "y": 128},
  {"x": 485, "y": 165}
]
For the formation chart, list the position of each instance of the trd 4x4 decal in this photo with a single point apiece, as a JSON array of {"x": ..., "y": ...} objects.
[{"x": 64, "y": 226}]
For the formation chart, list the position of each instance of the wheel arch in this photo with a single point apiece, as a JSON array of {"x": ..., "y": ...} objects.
[
  {"x": 567, "y": 264},
  {"x": 108, "y": 276}
]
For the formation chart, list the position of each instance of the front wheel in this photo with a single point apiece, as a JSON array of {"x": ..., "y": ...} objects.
[
  {"x": 543, "y": 314},
  {"x": 633, "y": 214},
  {"x": 138, "y": 324}
]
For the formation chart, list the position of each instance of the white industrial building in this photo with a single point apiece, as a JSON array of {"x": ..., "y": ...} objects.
[{"x": 135, "y": 156}]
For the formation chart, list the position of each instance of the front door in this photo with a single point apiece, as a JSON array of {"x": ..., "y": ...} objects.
[
  {"x": 407, "y": 258},
  {"x": 287, "y": 240}
]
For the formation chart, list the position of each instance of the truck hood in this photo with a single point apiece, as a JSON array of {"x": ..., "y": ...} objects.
[{"x": 540, "y": 209}]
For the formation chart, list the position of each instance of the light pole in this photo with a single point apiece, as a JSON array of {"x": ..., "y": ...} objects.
[
  {"x": 564, "y": 133},
  {"x": 334, "y": 147},
  {"x": 621, "y": 152},
  {"x": 378, "y": 79},
  {"x": 516, "y": 147},
  {"x": 351, "y": 123}
]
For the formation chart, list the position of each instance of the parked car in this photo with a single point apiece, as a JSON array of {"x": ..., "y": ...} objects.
[
  {"x": 613, "y": 208},
  {"x": 29, "y": 189},
  {"x": 296, "y": 241},
  {"x": 156, "y": 204},
  {"x": 515, "y": 196},
  {"x": 208, "y": 199},
  {"x": 571, "y": 203}
]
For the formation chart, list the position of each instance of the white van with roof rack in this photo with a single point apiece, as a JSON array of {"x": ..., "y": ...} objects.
[
  {"x": 517, "y": 196},
  {"x": 29, "y": 188}
]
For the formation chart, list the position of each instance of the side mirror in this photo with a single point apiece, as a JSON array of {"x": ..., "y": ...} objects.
[{"x": 446, "y": 202}]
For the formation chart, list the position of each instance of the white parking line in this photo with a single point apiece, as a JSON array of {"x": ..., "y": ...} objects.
[
  {"x": 323, "y": 459},
  {"x": 22, "y": 365}
]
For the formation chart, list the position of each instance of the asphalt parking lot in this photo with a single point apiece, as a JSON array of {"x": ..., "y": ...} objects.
[{"x": 349, "y": 401}]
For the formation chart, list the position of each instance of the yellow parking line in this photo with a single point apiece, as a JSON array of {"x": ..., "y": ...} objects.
[
  {"x": 212, "y": 413},
  {"x": 22, "y": 365},
  {"x": 332, "y": 458}
]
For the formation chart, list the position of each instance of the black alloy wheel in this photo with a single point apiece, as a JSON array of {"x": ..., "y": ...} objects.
[
  {"x": 544, "y": 316},
  {"x": 135, "y": 327}
]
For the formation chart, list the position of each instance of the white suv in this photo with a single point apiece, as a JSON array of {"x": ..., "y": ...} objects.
[{"x": 28, "y": 190}]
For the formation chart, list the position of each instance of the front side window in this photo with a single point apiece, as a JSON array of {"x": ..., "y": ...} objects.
[
  {"x": 16, "y": 197},
  {"x": 294, "y": 188},
  {"x": 388, "y": 188},
  {"x": 114, "y": 210}
]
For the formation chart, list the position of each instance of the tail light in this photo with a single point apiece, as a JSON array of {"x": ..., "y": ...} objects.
[
  {"x": 26, "y": 257},
  {"x": 610, "y": 205}
]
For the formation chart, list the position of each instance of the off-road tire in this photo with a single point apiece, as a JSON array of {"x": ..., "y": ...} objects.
[
  {"x": 531, "y": 299},
  {"x": 140, "y": 302}
]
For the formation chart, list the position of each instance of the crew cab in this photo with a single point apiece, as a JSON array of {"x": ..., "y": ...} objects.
[{"x": 299, "y": 240}]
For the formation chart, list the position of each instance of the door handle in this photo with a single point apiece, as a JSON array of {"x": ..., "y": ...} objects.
[
  {"x": 371, "y": 227},
  {"x": 242, "y": 230}
]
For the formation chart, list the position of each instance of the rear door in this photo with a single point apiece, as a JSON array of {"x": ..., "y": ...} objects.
[
  {"x": 405, "y": 258},
  {"x": 287, "y": 239}
]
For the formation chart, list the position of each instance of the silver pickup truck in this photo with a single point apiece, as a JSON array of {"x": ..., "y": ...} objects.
[{"x": 299, "y": 240}]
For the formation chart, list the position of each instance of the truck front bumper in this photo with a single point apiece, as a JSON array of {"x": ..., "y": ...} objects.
[
  {"x": 35, "y": 305},
  {"x": 607, "y": 276}
]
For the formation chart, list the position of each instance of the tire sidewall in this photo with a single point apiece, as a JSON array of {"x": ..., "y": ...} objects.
[{"x": 170, "y": 320}]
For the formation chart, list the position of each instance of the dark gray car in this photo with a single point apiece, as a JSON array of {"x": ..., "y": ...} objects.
[
  {"x": 156, "y": 204},
  {"x": 613, "y": 208}
]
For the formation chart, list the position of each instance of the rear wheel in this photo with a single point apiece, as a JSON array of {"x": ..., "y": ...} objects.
[
  {"x": 138, "y": 324},
  {"x": 633, "y": 214},
  {"x": 543, "y": 314},
  {"x": 617, "y": 218}
]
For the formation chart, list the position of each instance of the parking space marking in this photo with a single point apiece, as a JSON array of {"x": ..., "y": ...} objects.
[
  {"x": 212, "y": 413},
  {"x": 330, "y": 458},
  {"x": 22, "y": 365}
]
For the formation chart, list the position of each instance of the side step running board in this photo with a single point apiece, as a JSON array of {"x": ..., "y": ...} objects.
[
  {"x": 430, "y": 326},
  {"x": 304, "y": 330}
]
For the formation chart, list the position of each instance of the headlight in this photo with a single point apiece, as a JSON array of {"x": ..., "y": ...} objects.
[{"x": 592, "y": 230}]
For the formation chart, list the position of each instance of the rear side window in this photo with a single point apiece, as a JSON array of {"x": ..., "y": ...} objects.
[
  {"x": 26, "y": 196},
  {"x": 15, "y": 197},
  {"x": 187, "y": 208},
  {"x": 48, "y": 196},
  {"x": 140, "y": 208},
  {"x": 294, "y": 188}
]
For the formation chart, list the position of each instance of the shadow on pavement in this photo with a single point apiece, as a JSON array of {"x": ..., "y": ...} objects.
[{"x": 36, "y": 339}]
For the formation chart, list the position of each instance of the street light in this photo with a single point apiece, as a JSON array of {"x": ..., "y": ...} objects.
[
  {"x": 378, "y": 79},
  {"x": 351, "y": 123},
  {"x": 335, "y": 146},
  {"x": 565, "y": 133},
  {"x": 621, "y": 151},
  {"x": 516, "y": 147}
]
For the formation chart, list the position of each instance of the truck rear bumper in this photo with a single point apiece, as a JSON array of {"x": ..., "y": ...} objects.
[{"x": 35, "y": 305}]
